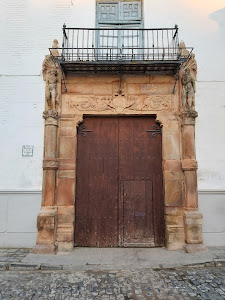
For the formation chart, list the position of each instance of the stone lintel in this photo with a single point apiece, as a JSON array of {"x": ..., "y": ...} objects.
[
  {"x": 189, "y": 165},
  {"x": 50, "y": 164}
]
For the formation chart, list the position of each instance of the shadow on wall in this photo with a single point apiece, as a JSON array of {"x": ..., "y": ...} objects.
[{"x": 219, "y": 16}]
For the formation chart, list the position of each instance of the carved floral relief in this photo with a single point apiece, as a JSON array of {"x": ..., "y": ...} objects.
[{"x": 117, "y": 104}]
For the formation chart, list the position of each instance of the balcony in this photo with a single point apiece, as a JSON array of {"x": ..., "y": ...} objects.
[{"x": 114, "y": 50}]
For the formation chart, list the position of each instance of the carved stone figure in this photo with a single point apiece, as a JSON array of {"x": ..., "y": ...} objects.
[
  {"x": 55, "y": 47},
  {"x": 183, "y": 51},
  {"x": 51, "y": 81},
  {"x": 188, "y": 91}
]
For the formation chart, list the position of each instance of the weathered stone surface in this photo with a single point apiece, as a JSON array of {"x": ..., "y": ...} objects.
[
  {"x": 193, "y": 248},
  {"x": 193, "y": 227},
  {"x": 174, "y": 237},
  {"x": 172, "y": 165},
  {"x": 173, "y": 192},
  {"x": 65, "y": 192},
  {"x": 171, "y": 146},
  {"x": 65, "y": 246},
  {"x": 46, "y": 224},
  {"x": 44, "y": 249},
  {"x": 66, "y": 174},
  {"x": 189, "y": 142},
  {"x": 64, "y": 235},
  {"x": 48, "y": 188},
  {"x": 67, "y": 147},
  {"x": 191, "y": 199},
  {"x": 66, "y": 164},
  {"x": 189, "y": 165}
]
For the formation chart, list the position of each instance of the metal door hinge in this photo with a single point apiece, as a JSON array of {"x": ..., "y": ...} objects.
[{"x": 155, "y": 131}]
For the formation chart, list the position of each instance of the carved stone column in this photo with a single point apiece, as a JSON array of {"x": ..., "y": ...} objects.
[
  {"x": 47, "y": 218},
  {"x": 192, "y": 217}
]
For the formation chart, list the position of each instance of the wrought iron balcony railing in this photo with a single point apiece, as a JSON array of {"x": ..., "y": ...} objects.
[{"x": 120, "y": 50}]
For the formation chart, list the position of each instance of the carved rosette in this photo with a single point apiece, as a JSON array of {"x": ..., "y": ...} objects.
[{"x": 50, "y": 164}]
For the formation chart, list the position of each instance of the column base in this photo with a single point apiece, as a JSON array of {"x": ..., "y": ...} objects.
[
  {"x": 193, "y": 248},
  {"x": 44, "y": 249},
  {"x": 65, "y": 246}
]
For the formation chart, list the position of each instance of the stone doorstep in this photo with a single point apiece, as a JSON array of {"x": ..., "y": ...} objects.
[{"x": 45, "y": 267}]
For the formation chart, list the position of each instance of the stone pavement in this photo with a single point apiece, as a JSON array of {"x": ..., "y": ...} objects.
[
  {"x": 121, "y": 273},
  {"x": 110, "y": 258},
  {"x": 185, "y": 283}
]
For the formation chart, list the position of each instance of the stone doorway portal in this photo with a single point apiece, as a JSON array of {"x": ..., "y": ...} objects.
[
  {"x": 128, "y": 96},
  {"x": 119, "y": 189}
]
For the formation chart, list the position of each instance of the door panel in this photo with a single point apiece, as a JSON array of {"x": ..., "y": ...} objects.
[
  {"x": 119, "y": 198},
  {"x": 138, "y": 213},
  {"x": 97, "y": 188}
]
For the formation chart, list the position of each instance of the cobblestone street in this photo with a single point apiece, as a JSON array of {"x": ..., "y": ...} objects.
[{"x": 186, "y": 283}]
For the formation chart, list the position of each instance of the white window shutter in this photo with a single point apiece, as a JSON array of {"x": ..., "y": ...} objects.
[
  {"x": 131, "y": 11},
  {"x": 107, "y": 12}
]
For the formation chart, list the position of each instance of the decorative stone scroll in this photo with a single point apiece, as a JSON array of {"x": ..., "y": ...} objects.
[{"x": 118, "y": 104}]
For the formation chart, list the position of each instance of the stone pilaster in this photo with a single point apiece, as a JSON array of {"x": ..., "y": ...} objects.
[
  {"x": 47, "y": 218},
  {"x": 192, "y": 217},
  {"x": 174, "y": 223}
]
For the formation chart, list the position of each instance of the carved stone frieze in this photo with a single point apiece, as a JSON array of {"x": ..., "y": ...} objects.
[
  {"x": 50, "y": 164},
  {"x": 118, "y": 103},
  {"x": 82, "y": 103},
  {"x": 157, "y": 103}
]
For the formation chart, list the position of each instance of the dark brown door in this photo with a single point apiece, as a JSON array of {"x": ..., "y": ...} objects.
[{"x": 119, "y": 192}]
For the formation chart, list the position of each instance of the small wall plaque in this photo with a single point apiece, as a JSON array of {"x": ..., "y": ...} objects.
[{"x": 27, "y": 151}]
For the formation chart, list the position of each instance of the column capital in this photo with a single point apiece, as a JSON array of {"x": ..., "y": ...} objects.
[
  {"x": 51, "y": 117},
  {"x": 188, "y": 117}
]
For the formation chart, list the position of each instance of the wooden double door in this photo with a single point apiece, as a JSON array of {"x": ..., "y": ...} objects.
[{"x": 119, "y": 189}]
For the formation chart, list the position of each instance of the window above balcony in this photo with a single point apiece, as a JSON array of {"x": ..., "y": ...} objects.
[{"x": 120, "y": 50}]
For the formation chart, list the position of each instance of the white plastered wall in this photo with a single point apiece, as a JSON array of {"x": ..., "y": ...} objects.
[{"x": 27, "y": 30}]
